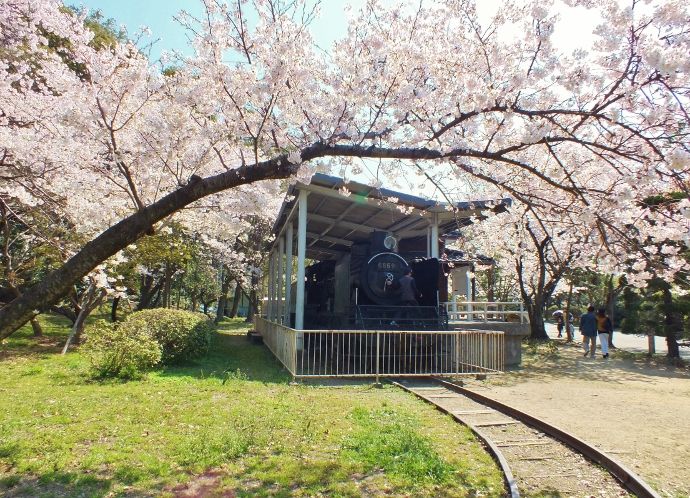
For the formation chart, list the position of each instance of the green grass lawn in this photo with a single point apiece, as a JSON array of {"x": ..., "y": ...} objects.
[{"x": 230, "y": 424}]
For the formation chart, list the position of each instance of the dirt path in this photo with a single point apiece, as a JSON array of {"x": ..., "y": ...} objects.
[{"x": 637, "y": 411}]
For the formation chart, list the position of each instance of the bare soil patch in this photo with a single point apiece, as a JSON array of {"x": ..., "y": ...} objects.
[{"x": 636, "y": 410}]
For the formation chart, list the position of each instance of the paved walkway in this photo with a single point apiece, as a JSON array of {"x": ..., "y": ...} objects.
[{"x": 629, "y": 342}]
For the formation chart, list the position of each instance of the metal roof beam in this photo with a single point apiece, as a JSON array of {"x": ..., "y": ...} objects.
[
  {"x": 336, "y": 221},
  {"x": 320, "y": 250},
  {"x": 346, "y": 224},
  {"x": 333, "y": 240},
  {"x": 405, "y": 224}
]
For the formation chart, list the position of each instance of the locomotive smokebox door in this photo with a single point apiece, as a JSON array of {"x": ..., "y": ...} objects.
[{"x": 380, "y": 278}]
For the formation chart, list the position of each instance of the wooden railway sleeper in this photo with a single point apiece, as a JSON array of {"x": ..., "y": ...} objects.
[{"x": 624, "y": 476}]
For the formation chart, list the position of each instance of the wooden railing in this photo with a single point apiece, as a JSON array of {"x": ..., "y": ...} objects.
[
  {"x": 486, "y": 311},
  {"x": 384, "y": 353}
]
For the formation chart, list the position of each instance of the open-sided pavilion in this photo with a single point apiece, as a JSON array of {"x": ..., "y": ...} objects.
[{"x": 327, "y": 220}]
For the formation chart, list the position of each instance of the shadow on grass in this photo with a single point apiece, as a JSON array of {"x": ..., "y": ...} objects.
[
  {"x": 343, "y": 382},
  {"x": 306, "y": 478},
  {"x": 233, "y": 356},
  {"x": 22, "y": 343},
  {"x": 53, "y": 484},
  {"x": 274, "y": 479}
]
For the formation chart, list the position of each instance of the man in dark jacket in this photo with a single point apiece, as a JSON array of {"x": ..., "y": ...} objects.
[
  {"x": 408, "y": 289},
  {"x": 588, "y": 329}
]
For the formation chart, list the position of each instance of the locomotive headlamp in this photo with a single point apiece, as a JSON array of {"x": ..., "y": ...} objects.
[{"x": 390, "y": 242}]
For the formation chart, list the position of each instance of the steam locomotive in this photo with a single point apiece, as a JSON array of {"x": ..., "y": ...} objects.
[{"x": 360, "y": 290}]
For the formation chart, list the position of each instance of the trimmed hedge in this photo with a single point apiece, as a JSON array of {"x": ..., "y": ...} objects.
[
  {"x": 116, "y": 352},
  {"x": 146, "y": 339},
  {"x": 182, "y": 335}
]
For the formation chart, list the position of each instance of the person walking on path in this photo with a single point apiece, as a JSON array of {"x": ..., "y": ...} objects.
[
  {"x": 588, "y": 329},
  {"x": 604, "y": 328},
  {"x": 570, "y": 328},
  {"x": 559, "y": 324}
]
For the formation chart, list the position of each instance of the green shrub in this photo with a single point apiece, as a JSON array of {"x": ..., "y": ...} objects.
[
  {"x": 115, "y": 351},
  {"x": 182, "y": 335}
]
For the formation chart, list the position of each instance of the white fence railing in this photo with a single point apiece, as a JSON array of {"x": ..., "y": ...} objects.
[
  {"x": 281, "y": 340},
  {"x": 384, "y": 353},
  {"x": 486, "y": 311}
]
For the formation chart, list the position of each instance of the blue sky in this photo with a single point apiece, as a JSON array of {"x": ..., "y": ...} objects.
[
  {"x": 572, "y": 30},
  {"x": 158, "y": 16}
]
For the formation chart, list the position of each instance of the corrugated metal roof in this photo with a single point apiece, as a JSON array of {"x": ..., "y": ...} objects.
[{"x": 336, "y": 220}]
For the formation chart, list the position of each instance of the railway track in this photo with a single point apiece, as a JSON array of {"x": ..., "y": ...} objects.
[{"x": 536, "y": 458}]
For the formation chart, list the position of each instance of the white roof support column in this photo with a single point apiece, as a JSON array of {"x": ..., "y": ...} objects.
[
  {"x": 280, "y": 280},
  {"x": 428, "y": 242},
  {"x": 301, "y": 253},
  {"x": 288, "y": 273},
  {"x": 468, "y": 291},
  {"x": 273, "y": 286},
  {"x": 468, "y": 284},
  {"x": 434, "y": 237},
  {"x": 269, "y": 301}
]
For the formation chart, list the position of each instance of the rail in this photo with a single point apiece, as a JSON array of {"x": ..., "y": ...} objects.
[
  {"x": 625, "y": 477},
  {"x": 485, "y": 311},
  {"x": 384, "y": 353}
]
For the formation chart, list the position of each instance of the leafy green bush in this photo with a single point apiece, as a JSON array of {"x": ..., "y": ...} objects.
[
  {"x": 115, "y": 351},
  {"x": 182, "y": 335}
]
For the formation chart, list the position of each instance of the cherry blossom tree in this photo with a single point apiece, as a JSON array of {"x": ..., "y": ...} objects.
[
  {"x": 539, "y": 252},
  {"x": 423, "y": 87}
]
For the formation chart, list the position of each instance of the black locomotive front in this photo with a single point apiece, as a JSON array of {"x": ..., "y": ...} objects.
[
  {"x": 346, "y": 293},
  {"x": 380, "y": 277}
]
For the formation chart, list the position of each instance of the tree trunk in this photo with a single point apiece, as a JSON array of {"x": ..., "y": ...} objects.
[
  {"x": 535, "y": 312},
  {"x": 491, "y": 284},
  {"x": 167, "y": 280},
  {"x": 206, "y": 305},
  {"x": 236, "y": 301},
  {"x": 566, "y": 312},
  {"x": 535, "y": 298},
  {"x": 147, "y": 291},
  {"x": 64, "y": 311},
  {"x": 611, "y": 306},
  {"x": 90, "y": 301},
  {"x": 157, "y": 298},
  {"x": 253, "y": 306},
  {"x": 670, "y": 323},
  {"x": 113, "y": 309},
  {"x": 38, "y": 331},
  {"x": 223, "y": 298},
  {"x": 77, "y": 330},
  {"x": 220, "y": 309},
  {"x": 534, "y": 304}
]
